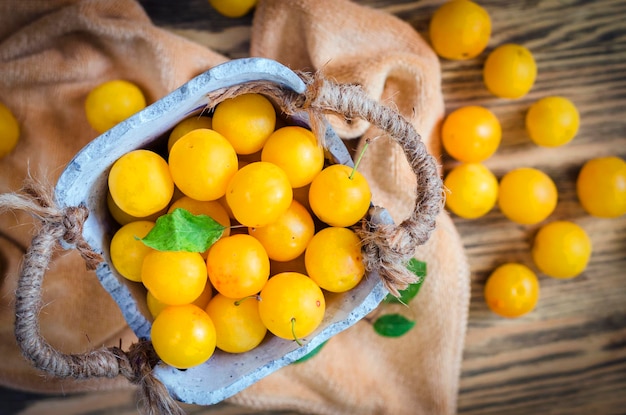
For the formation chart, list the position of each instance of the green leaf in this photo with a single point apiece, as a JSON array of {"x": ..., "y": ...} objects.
[
  {"x": 418, "y": 268},
  {"x": 311, "y": 353},
  {"x": 181, "y": 230},
  {"x": 393, "y": 325}
]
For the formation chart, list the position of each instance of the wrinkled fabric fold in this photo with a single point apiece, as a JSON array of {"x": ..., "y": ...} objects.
[{"x": 52, "y": 53}]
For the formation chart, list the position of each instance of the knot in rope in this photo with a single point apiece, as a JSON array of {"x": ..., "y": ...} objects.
[
  {"x": 73, "y": 218},
  {"x": 71, "y": 223}
]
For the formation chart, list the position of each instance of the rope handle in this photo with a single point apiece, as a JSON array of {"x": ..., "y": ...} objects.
[
  {"x": 387, "y": 247},
  {"x": 136, "y": 364}
]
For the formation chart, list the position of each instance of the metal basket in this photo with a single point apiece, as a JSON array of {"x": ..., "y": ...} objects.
[{"x": 84, "y": 182}]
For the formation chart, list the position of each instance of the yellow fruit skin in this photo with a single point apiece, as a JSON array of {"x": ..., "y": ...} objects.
[
  {"x": 155, "y": 306},
  {"x": 472, "y": 190},
  {"x": 512, "y": 290},
  {"x": 552, "y": 121},
  {"x": 471, "y": 134},
  {"x": 127, "y": 252},
  {"x": 238, "y": 266},
  {"x": 238, "y": 325},
  {"x": 337, "y": 199},
  {"x": 297, "y": 152},
  {"x": 333, "y": 259},
  {"x": 112, "y": 102},
  {"x": 601, "y": 187},
  {"x": 9, "y": 131},
  {"x": 202, "y": 162},
  {"x": 510, "y": 71},
  {"x": 258, "y": 194},
  {"x": 295, "y": 265},
  {"x": 527, "y": 195},
  {"x": 187, "y": 125},
  {"x": 290, "y": 296},
  {"x": 246, "y": 121},
  {"x": 460, "y": 29},
  {"x": 287, "y": 237},
  {"x": 183, "y": 336},
  {"x": 561, "y": 249},
  {"x": 174, "y": 277},
  {"x": 233, "y": 8},
  {"x": 124, "y": 218},
  {"x": 140, "y": 183}
]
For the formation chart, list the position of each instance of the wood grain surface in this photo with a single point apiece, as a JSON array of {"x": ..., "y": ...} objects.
[{"x": 568, "y": 356}]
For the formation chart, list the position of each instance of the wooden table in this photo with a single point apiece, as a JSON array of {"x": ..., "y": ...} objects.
[{"x": 568, "y": 356}]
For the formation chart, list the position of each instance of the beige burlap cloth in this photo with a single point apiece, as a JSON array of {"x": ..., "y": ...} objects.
[{"x": 52, "y": 53}]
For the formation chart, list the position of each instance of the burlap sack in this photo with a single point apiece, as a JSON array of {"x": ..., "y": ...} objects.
[{"x": 52, "y": 53}]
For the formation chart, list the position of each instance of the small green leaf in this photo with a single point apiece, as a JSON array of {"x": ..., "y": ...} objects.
[
  {"x": 393, "y": 325},
  {"x": 418, "y": 268},
  {"x": 311, "y": 353},
  {"x": 181, "y": 230}
]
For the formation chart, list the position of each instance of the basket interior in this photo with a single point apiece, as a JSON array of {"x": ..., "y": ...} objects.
[{"x": 84, "y": 181}]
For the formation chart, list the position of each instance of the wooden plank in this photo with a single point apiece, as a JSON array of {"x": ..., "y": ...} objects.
[{"x": 569, "y": 355}]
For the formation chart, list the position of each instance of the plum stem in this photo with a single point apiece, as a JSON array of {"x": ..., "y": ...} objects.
[
  {"x": 293, "y": 331},
  {"x": 358, "y": 160},
  {"x": 241, "y": 300}
]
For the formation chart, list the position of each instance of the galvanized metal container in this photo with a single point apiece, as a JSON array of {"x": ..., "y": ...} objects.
[{"x": 84, "y": 181}]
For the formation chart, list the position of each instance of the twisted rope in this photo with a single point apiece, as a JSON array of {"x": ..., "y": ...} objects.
[{"x": 67, "y": 224}]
